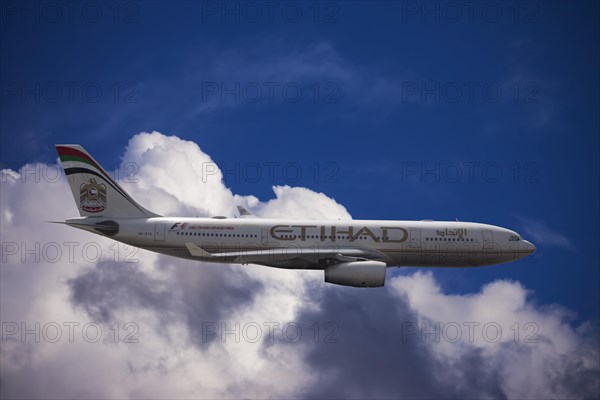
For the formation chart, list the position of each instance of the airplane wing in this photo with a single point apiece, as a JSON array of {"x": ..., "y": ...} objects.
[{"x": 290, "y": 257}]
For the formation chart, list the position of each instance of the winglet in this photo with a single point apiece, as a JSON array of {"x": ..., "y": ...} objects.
[
  {"x": 197, "y": 251},
  {"x": 245, "y": 213}
]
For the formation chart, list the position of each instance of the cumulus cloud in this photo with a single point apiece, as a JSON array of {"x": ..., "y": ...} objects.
[
  {"x": 178, "y": 328},
  {"x": 523, "y": 344},
  {"x": 298, "y": 202},
  {"x": 414, "y": 340}
]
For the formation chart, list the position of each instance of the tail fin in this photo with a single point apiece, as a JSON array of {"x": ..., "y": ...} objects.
[{"x": 96, "y": 193}]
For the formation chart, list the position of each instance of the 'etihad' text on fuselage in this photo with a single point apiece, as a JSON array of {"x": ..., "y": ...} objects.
[{"x": 302, "y": 232}]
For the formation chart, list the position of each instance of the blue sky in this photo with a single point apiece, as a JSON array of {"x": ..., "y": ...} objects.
[
  {"x": 399, "y": 93},
  {"x": 483, "y": 112}
]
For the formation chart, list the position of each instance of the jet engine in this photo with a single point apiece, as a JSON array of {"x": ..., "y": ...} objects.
[{"x": 357, "y": 273}]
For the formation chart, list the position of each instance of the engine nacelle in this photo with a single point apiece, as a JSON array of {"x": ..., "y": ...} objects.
[{"x": 357, "y": 273}]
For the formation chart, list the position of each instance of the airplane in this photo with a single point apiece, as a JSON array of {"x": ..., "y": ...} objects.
[{"x": 350, "y": 252}]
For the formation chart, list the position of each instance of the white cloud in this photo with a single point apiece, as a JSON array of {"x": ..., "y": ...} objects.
[
  {"x": 172, "y": 301},
  {"x": 540, "y": 233},
  {"x": 528, "y": 345},
  {"x": 278, "y": 72},
  {"x": 37, "y": 288},
  {"x": 298, "y": 202},
  {"x": 180, "y": 172}
]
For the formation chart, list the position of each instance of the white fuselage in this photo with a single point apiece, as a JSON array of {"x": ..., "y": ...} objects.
[
  {"x": 396, "y": 243},
  {"x": 351, "y": 252}
]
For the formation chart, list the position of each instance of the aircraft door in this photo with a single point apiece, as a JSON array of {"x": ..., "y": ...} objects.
[
  {"x": 264, "y": 236},
  {"x": 159, "y": 232},
  {"x": 415, "y": 238},
  {"x": 491, "y": 251},
  {"x": 488, "y": 239},
  {"x": 414, "y": 254}
]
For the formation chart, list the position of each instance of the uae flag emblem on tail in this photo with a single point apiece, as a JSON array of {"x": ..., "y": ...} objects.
[{"x": 92, "y": 196}]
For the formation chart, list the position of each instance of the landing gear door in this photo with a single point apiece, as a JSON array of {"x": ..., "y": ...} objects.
[{"x": 159, "y": 232}]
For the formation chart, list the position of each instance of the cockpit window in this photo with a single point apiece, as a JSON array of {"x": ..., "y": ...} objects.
[{"x": 514, "y": 238}]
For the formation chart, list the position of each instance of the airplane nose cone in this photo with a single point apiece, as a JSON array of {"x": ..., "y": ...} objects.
[{"x": 528, "y": 246}]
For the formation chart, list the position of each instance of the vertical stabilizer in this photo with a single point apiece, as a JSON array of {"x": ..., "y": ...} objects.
[{"x": 96, "y": 193}]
